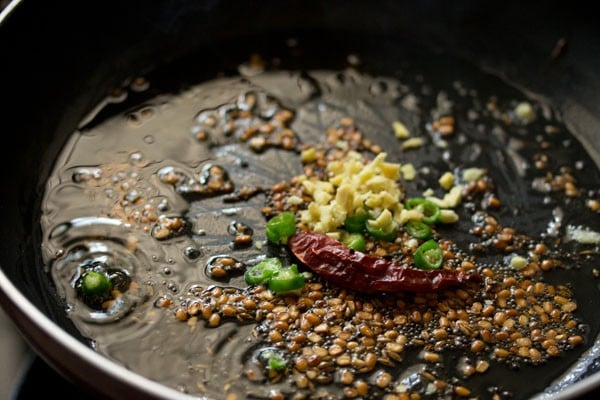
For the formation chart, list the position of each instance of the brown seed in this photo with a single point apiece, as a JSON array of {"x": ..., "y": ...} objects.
[
  {"x": 383, "y": 379},
  {"x": 228, "y": 311},
  {"x": 275, "y": 336},
  {"x": 315, "y": 338},
  {"x": 485, "y": 324},
  {"x": 193, "y": 308},
  {"x": 301, "y": 364},
  {"x": 499, "y": 318},
  {"x": 312, "y": 374},
  {"x": 488, "y": 310},
  {"x": 358, "y": 363},
  {"x": 523, "y": 351},
  {"x": 468, "y": 370},
  {"x": 242, "y": 240},
  {"x": 402, "y": 339},
  {"x": 462, "y": 391},
  {"x": 467, "y": 265},
  {"x": 439, "y": 384},
  {"x": 249, "y": 304},
  {"x": 302, "y": 381},
  {"x": 446, "y": 129},
  {"x": 365, "y": 330},
  {"x": 214, "y": 320},
  {"x": 415, "y": 316},
  {"x": 571, "y": 324},
  {"x": 312, "y": 319},
  {"x": 321, "y": 328},
  {"x": 521, "y": 303},
  {"x": 500, "y": 352},
  {"x": 440, "y": 334},
  {"x": 335, "y": 350},
  {"x": 525, "y": 342},
  {"x": 477, "y": 346},
  {"x": 376, "y": 149},
  {"x": 281, "y": 325},
  {"x": 181, "y": 314},
  {"x": 164, "y": 302},
  {"x": 487, "y": 336},
  {"x": 206, "y": 311},
  {"x": 482, "y": 366},
  {"x": 346, "y": 377},
  {"x": 509, "y": 324},
  {"x": 394, "y": 347},
  {"x": 431, "y": 357},
  {"x": 362, "y": 388},
  {"x": 321, "y": 352},
  {"x": 488, "y": 272},
  {"x": 575, "y": 340},
  {"x": 547, "y": 265},
  {"x": 343, "y": 360},
  {"x": 535, "y": 354},
  {"x": 553, "y": 351}
]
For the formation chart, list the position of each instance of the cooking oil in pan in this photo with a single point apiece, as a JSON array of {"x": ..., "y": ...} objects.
[{"x": 168, "y": 197}]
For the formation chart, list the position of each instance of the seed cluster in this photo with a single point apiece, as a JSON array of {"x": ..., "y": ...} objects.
[
  {"x": 256, "y": 119},
  {"x": 213, "y": 180},
  {"x": 330, "y": 342},
  {"x": 335, "y": 337}
]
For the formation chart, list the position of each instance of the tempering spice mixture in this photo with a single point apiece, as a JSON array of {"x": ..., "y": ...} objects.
[
  {"x": 325, "y": 341},
  {"x": 330, "y": 335}
]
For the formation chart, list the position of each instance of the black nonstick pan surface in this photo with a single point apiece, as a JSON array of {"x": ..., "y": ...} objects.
[{"x": 59, "y": 62}]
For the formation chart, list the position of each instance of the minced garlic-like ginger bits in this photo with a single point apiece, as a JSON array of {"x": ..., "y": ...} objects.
[{"x": 353, "y": 186}]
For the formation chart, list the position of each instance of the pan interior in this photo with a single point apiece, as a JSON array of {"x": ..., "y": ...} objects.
[{"x": 107, "y": 196}]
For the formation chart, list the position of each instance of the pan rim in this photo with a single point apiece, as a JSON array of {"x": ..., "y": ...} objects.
[{"x": 12, "y": 300}]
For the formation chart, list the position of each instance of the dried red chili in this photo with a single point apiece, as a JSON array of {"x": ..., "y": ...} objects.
[{"x": 357, "y": 271}]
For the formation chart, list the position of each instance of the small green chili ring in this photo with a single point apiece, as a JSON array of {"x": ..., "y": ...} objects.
[
  {"x": 274, "y": 361},
  {"x": 280, "y": 227},
  {"x": 263, "y": 271},
  {"x": 355, "y": 241},
  {"x": 96, "y": 283},
  {"x": 430, "y": 210},
  {"x": 355, "y": 223},
  {"x": 429, "y": 255},
  {"x": 286, "y": 280},
  {"x": 378, "y": 233},
  {"x": 419, "y": 230}
]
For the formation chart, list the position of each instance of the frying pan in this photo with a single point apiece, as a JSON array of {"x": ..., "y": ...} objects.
[{"x": 58, "y": 60}]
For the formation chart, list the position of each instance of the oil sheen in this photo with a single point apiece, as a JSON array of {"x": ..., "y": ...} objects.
[{"x": 165, "y": 191}]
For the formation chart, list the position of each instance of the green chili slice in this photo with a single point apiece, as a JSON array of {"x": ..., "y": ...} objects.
[
  {"x": 276, "y": 363},
  {"x": 273, "y": 360},
  {"x": 96, "y": 284},
  {"x": 286, "y": 280},
  {"x": 378, "y": 233},
  {"x": 419, "y": 230},
  {"x": 263, "y": 271},
  {"x": 355, "y": 241},
  {"x": 280, "y": 227},
  {"x": 355, "y": 223},
  {"x": 430, "y": 210},
  {"x": 429, "y": 255}
]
